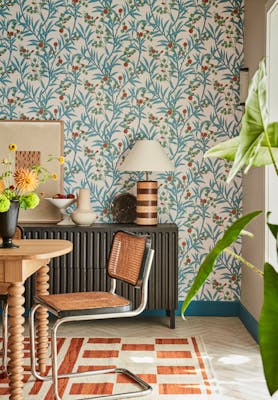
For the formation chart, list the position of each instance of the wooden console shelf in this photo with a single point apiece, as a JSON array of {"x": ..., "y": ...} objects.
[{"x": 85, "y": 268}]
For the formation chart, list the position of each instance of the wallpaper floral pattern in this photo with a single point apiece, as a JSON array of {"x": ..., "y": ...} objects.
[{"x": 117, "y": 71}]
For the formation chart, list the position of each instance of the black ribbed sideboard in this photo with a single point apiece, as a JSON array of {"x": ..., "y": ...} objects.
[{"x": 84, "y": 269}]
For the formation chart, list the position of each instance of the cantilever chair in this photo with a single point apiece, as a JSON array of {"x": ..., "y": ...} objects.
[
  {"x": 129, "y": 261},
  {"x": 3, "y": 300}
]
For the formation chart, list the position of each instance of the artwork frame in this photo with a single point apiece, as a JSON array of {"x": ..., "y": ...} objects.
[{"x": 46, "y": 138}]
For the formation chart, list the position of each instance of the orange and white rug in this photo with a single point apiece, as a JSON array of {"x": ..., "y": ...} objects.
[{"x": 176, "y": 368}]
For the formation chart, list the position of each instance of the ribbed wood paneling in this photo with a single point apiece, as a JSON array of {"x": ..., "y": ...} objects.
[{"x": 84, "y": 269}]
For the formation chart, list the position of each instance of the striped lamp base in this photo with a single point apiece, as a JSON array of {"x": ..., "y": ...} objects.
[{"x": 146, "y": 210}]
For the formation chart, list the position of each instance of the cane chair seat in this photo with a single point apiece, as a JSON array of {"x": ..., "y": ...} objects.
[{"x": 70, "y": 304}]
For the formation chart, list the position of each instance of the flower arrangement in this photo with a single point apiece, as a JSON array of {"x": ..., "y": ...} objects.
[{"x": 20, "y": 183}]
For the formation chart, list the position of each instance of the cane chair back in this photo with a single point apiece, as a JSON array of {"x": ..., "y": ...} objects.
[
  {"x": 127, "y": 256},
  {"x": 18, "y": 233}
]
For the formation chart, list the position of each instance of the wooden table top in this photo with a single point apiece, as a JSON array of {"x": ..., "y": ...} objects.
[
  {"x": 36, "y": 249},
  {"x": 17, "y": 264}
]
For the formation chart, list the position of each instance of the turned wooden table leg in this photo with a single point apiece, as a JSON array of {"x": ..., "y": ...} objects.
[
  {"x": 15, "y": 341},
  {"x": 42, "y": 287}
]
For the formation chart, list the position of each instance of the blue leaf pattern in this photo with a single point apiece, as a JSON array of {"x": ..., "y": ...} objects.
[{"x": 123, "y": 70}]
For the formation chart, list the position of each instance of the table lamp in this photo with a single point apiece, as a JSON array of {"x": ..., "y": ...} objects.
[{"x": 148, "y": 156}]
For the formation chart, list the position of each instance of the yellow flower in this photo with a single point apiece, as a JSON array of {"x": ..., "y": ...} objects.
[
  {"x": 2, "y": 186},
  {"x": 54, "y": 176},
  {"x": 12, "y": 147},
  {"x": 61, "y": 160},
  {"x": 26, "y": 180}
]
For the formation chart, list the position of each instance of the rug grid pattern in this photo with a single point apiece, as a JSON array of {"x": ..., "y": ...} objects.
[{"x": 176, "y": 368}]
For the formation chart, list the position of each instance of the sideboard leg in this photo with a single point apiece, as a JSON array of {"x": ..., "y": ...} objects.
[{"x": 172, "y": 318}]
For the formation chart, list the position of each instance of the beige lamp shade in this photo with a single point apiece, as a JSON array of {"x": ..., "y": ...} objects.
[{"x": 147, "y": 155}]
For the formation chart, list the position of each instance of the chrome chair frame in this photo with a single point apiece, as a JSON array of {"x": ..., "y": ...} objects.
[{"x": 146, "y": 389}]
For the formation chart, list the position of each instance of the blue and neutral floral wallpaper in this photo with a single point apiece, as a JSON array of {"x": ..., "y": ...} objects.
[{"x": 117, "y": 71}]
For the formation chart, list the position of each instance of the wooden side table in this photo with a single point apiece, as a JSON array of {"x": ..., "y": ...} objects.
[{"x": 16, "y": 265}]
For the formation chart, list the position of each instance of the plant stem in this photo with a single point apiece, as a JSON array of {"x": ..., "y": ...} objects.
[
  {"x": 257, "y": 270},
  {"x": 270, "y": 152}
]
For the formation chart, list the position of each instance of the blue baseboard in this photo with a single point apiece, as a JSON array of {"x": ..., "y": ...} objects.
[
  {"x": 212, "y": 308},
  {"x": 250, "y": 323},
  {"x": 204, "y": 308}
]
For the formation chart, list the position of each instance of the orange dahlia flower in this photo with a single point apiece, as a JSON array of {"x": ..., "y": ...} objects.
[{"x": 26, "y": 180}]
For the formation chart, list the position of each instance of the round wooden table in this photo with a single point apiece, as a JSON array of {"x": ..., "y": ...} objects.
[{"x": 16, "y": 265}]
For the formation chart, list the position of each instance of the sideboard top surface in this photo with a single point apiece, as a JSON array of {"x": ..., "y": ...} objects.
[{"x": 102, "y": 226}]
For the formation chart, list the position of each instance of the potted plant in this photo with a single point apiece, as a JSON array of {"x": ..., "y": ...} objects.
[{"x": 256, "y": 145}]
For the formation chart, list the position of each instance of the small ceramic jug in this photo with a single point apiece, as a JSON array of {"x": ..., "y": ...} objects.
[{"x": 83, "y": 215}]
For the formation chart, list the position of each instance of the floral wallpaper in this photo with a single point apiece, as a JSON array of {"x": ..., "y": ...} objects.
[{"x": 117, "y": 71}]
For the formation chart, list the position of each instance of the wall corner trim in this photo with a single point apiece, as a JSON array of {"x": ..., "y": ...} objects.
[{"x": 250, "y": 323}]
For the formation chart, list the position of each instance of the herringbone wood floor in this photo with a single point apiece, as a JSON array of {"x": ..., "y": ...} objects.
[{"x": 233, "y": 353}]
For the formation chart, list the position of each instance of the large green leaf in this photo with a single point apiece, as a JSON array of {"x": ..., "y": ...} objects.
[
  {"x": 254, "y": 122},
  {"x": 228, "y": 149},
  {"x": 273, "y": 228},
  {"x": 225, "y": 149},
  {"x": 268, "y": 328},
  {"x": 272, "y": 132},
  {"x": 231, "y": 234},
  {"x": 262, "y": 157}
]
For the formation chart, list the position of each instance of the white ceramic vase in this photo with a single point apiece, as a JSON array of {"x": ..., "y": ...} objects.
[{"x": 83, "y": 215}]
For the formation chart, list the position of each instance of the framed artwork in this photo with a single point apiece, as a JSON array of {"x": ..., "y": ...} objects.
[{"x": 35, "y": 141}]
